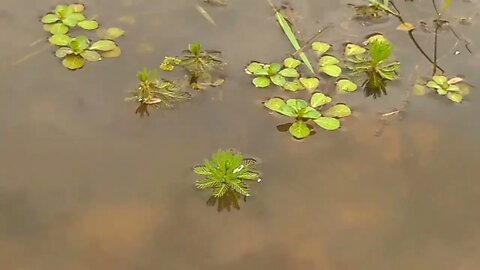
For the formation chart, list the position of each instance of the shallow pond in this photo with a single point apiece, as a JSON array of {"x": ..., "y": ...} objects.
[{"x": 87, "y": 184}]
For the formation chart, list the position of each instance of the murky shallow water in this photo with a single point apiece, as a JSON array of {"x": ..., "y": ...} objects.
[{"x": 87, "y": 184}]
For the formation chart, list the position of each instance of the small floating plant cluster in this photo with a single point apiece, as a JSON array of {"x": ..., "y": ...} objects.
[
  {"x": 200, "y": 66},
  {"x": 75, "y": 51}
]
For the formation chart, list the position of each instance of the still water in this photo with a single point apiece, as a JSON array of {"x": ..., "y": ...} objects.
[{"x": 87, "y": 184}]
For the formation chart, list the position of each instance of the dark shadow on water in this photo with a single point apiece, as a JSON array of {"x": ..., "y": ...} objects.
[
  {"x": 227, "y": 202},
  {"x": 142, "y": 110},
  {"x": 375, "y": 86}
]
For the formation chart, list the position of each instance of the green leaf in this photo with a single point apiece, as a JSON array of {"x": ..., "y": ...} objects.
[
  {"x": 70, "y": 22},
  {"x": 254, "y": 67},
  {"x": 290, "y": 73},
  {"x": 50, "y": 18},
  {"x": 60, "y": 40},
  {"x": 321, "y": 47},
  {"x": 73, "y": 62},
  {"x": 380, "y": 50},
  {"x": 293, "y": 40},
  {"x": 297, "y": 104},
  {"x": 103, "y": 45},
  {"x": 419, "y": 89},
  {"x": 319, "y": 99},
  {"x": 114, "y": 32},
  {"x": 274, "y": 68},
  {"x": 291, "y": 62},
  {"x": 202, "y": 170},
  {"x": 453, "y": 88},
  {"x": 61, "y": 9},
  {"x": 310, "y": 113},
  {"x": 78, "y": 8},
  {"x": 455, "y": 97},
  {"x": 261, "y": 82},
  {"x": 346, "y": 85},
  {"x": 310, "y": 83},
  {"x": 63, "y": 51},
  {"x": 293, "y": 86},
  {"x": 248, "y": 175},
  {"x": 442, "y": 92},
  {"x": 275, "y": 104},
  {"x": 88, "y": 24},
  {"x": 332, "y": 70},
  {"x": 339, "y": 110},
  {"x": 76, "y": 17},
  {"x": 288, "y": 110},
  {"x": 354, "y": 50},
  {"x": 59, "y": 29},
  {"x": 328, "y": 60},
  {"x": 195, "y": 48},
  {"x": 328, "y": 123},
  {"x": 220, "y": 191},
  {"x": 169, "y": 63},
  {"x": 440, "y": 80},
  {"x": 434, "y": 85},
  {"x": 278, "y": 80},
  {"x": 79, "y": 44},
  {"x": 299, "y": 130},
  {"x": 91, "y": 56}
]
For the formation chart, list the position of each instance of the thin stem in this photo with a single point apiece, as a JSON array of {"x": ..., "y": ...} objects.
[{"x": 435, "y": 46}]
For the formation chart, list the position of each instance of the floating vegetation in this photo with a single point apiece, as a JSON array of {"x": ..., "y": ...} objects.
[
  {"x": 226, "y": 174},
  {"x": 76, "y": 50},
  {"x": 201, "y": 65},
  {"x": 302, "y": 112},
  {"x": 152, "y": 91},
  {"x": 367, "y": 12},
  {"x": 451, "y": 88},
  {"x": 284, "y": 75},
  {"x": 373, "y": 63}
]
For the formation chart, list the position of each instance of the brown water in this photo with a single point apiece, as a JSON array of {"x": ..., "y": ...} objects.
[{"x": 87, "y": 184}]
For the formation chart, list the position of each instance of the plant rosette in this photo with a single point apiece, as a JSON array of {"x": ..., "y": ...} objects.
[
  {"x": 75, "y": 51},
  {"x": 302, "y": 112},
  {"x": 64, "y": 17},
  {"x": 448, "y": 87}
]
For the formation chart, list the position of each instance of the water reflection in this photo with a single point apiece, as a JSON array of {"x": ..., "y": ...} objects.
[
  {"x": 375, "y": 86},
  {"x": 226, "y": 202}
]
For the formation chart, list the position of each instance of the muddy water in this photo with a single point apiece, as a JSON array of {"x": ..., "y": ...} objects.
[{"x": 86, "y": 184}]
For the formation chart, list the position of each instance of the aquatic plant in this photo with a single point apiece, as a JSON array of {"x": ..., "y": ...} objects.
[
  {"x": 63, "y": 17},
  {"x": 302, "y": 112},
  {"x": 200, "y": 65},
  {"x": 284, "y": 75},
  {"x": 448, "y": 87},
  {"x": 76, "y": 50},
  {"x": 226, "y": 173},
  {"x": 155, "y": 92},
  {"x": 374, "y": 63}
]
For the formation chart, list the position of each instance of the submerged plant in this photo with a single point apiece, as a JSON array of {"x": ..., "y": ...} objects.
[
  {"x": 302, "y": 112},
  {"x": 374, "y": 63},
  {"x": 448, "y": 87},
  {"x": 284, "y": 75},
  {"x": 226, "y": 174},
  {"x": 200, "y": 65},
  {"x": 154, "y": 92},
  {"x": 76, "y": 50}
]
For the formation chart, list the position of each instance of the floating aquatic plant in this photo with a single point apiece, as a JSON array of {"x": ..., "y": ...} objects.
[
  {"x": 226, "y": 174},
  {"x": 284, "y": 75},
  {"x": 302, "y": 112},
  {"x": 201, "y": 65},
  {"x": 152, "y": 91},
  {"x": 76, "y": 50},
  {"x": 63, "y": 17},
  {"x": 448, "y": 87},
  {"x": 374, "y": 63}
]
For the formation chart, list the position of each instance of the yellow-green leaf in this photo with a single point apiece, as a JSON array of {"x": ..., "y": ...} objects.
[
  {"x": 73, "y": 62},
  {"x": 103, "y": 45}
]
